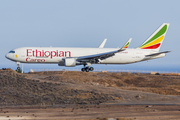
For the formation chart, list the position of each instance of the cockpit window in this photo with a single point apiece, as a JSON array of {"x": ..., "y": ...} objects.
[{"x": 11, "y": 51}]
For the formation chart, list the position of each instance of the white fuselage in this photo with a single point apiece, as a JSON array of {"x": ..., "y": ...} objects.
[{"x": 56, "y": 55}]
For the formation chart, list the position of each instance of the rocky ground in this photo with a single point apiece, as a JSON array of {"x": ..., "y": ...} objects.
[{"x": 57, "y": 88}]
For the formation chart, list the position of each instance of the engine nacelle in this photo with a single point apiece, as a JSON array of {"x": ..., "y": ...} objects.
[{"x": 70, "y": 62}]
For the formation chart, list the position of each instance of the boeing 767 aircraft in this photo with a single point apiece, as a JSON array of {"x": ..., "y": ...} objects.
[{"x": 70, "y": 57}]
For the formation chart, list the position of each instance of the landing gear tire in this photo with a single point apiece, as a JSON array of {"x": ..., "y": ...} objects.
[
  {"x": 91, "y": 68},
  {"x": 83, "y": 69},
  {"x": 87, "y": 69},
  {"x": 19, "y": 70}
]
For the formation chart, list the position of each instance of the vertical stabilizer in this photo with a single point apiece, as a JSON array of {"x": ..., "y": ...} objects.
[{"x": 154, "y": 42}]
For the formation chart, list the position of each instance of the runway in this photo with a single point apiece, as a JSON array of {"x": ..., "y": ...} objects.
[{"x": 125, "y": 112}]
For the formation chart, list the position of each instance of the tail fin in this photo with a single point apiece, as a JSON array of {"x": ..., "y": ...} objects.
[{"x": 154, "y": 42}]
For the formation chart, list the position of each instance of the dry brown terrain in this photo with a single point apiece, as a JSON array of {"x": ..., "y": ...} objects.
[{"x": 67, "y": 95}]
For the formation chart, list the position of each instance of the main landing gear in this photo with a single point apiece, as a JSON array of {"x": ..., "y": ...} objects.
[{"x": 87, "y": 69}]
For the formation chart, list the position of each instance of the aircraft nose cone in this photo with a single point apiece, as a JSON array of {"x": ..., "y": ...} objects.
[{"x": 7, "y": 56}]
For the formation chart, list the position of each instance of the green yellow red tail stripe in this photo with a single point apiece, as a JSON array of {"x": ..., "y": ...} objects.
[{"x": 155, "y": 40}]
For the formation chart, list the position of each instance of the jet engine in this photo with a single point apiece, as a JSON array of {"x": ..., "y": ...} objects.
[{"x": 70, "y": 62}]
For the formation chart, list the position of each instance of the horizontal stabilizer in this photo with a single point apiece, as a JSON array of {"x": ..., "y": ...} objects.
[{"x": 155, "y": 54}]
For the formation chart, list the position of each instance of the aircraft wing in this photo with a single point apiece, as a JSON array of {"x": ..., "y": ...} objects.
[
  {"x": 154, "y": 54},
  {"x": 95, "y": 57},
  {"x": 101, "y": 56}
]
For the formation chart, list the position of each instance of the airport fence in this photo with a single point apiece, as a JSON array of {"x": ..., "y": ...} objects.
[{"x": 105, "y": 70}]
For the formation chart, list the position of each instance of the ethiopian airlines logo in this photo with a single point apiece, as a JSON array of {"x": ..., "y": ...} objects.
[{"x": 45, "y": 53}]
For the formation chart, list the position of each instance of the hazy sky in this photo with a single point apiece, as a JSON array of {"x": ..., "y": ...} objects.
[{"x": 86, "y": 23}]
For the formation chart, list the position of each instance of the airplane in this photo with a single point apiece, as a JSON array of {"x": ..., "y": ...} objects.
[{"x": 70, "y": 57}]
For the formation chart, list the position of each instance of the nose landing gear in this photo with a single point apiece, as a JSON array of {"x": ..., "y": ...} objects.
[{"x": 18, "y": 68}]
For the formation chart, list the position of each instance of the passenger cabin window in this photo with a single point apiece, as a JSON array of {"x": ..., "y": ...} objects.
[{"x": 11, "y": 51}]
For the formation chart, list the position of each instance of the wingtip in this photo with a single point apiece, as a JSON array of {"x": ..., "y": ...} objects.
[
  {"x": 130, "y": 39},
  {"x": 103, "y": 43}
]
